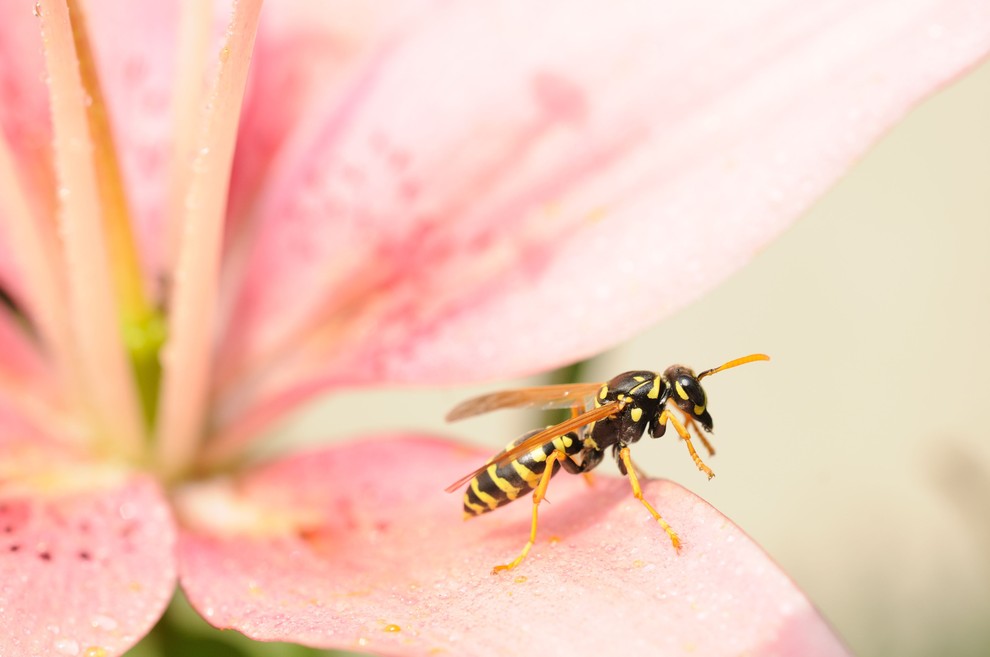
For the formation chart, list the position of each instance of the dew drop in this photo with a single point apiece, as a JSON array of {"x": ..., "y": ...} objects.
[
  {"x": 224, "y": 54},
  {"x": 391, "y": 627},
  {"x": 104, "y": 622},
  {"x": 67, "y": 646},
  {"x": 95, "y": 651}
]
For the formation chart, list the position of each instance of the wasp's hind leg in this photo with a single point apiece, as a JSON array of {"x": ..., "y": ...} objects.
[
  {"x": 638, "y": 494},
  {"x": 538, "y": 495}
]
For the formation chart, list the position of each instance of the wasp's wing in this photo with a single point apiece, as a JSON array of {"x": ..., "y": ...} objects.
[
  {"x": 537, "y": 439},
  {"x": 567, "y": 395}
]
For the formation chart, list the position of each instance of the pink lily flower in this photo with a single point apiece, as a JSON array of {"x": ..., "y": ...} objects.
[{"x": 205, "y": 222}]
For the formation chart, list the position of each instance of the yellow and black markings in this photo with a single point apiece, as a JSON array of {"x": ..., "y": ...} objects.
[{"x": 610, "y": 415}]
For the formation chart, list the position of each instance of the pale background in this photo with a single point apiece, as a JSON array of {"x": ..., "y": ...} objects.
[{"x": 860, "y": 456}]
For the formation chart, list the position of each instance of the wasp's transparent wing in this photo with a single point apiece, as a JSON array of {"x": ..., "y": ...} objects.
[
  {"x": 537, "y": 439},
  {"x": 568, "y": 395}
]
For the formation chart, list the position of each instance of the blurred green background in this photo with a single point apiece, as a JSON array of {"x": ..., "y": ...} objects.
[{"x": 860, "y": 456}]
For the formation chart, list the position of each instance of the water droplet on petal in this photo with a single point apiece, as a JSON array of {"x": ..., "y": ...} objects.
[
  {"x": 224, "y": 54},
  {"x": 95, "y": 651},
  {"x": 104, "y": 622},
  {"x": 67, "y": 646}
]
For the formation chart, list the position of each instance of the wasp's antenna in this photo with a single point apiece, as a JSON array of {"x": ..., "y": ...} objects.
[{"x": 734, "y": 363}]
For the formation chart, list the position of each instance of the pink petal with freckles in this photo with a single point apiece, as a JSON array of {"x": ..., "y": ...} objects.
[
  {"x": 83, "y": 570},
  {"x": 305, "y": 50},
  {"x": 504, "y": 189},
  {"x": 385, "y": 564}
]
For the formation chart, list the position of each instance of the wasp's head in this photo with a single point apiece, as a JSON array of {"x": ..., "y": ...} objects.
[{"x": 686, "y": 392}]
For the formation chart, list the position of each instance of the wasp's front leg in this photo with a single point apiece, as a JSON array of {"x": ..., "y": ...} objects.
[{"x": 686, "y": 436}]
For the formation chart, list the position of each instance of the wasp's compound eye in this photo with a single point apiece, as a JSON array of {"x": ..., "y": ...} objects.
[{"x": 690, "y": 393}]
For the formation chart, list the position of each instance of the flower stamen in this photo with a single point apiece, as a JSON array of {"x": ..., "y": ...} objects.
[
  {"x": 142, "y": 325},
  {"x": 108, "y": 386},
  {"x": 123, "y": 256},
  {"x": 187, "y": 358}
]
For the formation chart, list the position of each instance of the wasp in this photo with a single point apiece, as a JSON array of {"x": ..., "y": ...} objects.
[{"x": 610, "y": 415}]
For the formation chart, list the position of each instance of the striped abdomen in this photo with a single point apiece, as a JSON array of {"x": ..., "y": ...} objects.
[{"x": 498, "y": 486}]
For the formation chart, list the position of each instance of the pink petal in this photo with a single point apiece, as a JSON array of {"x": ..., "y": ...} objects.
[
  {"x": 19, "y": 357},
  {"x": 16, "y": 421},
  {"x": 502, "y": 189},
  {"x": 383, "y": 563},
  {"x": 82, "y": 570},
  {"x": 24, "y": 122},
  {"x": 11, "y": 280},
  {"x": 29, "y": 392},
  {"x": 134, "y": 44},
  {"x": 304, "y": 50},
  {"x": 24, "y": 116}
]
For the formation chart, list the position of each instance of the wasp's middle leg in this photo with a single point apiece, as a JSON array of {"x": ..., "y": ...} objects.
[{"x": 638, "y": 494}]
